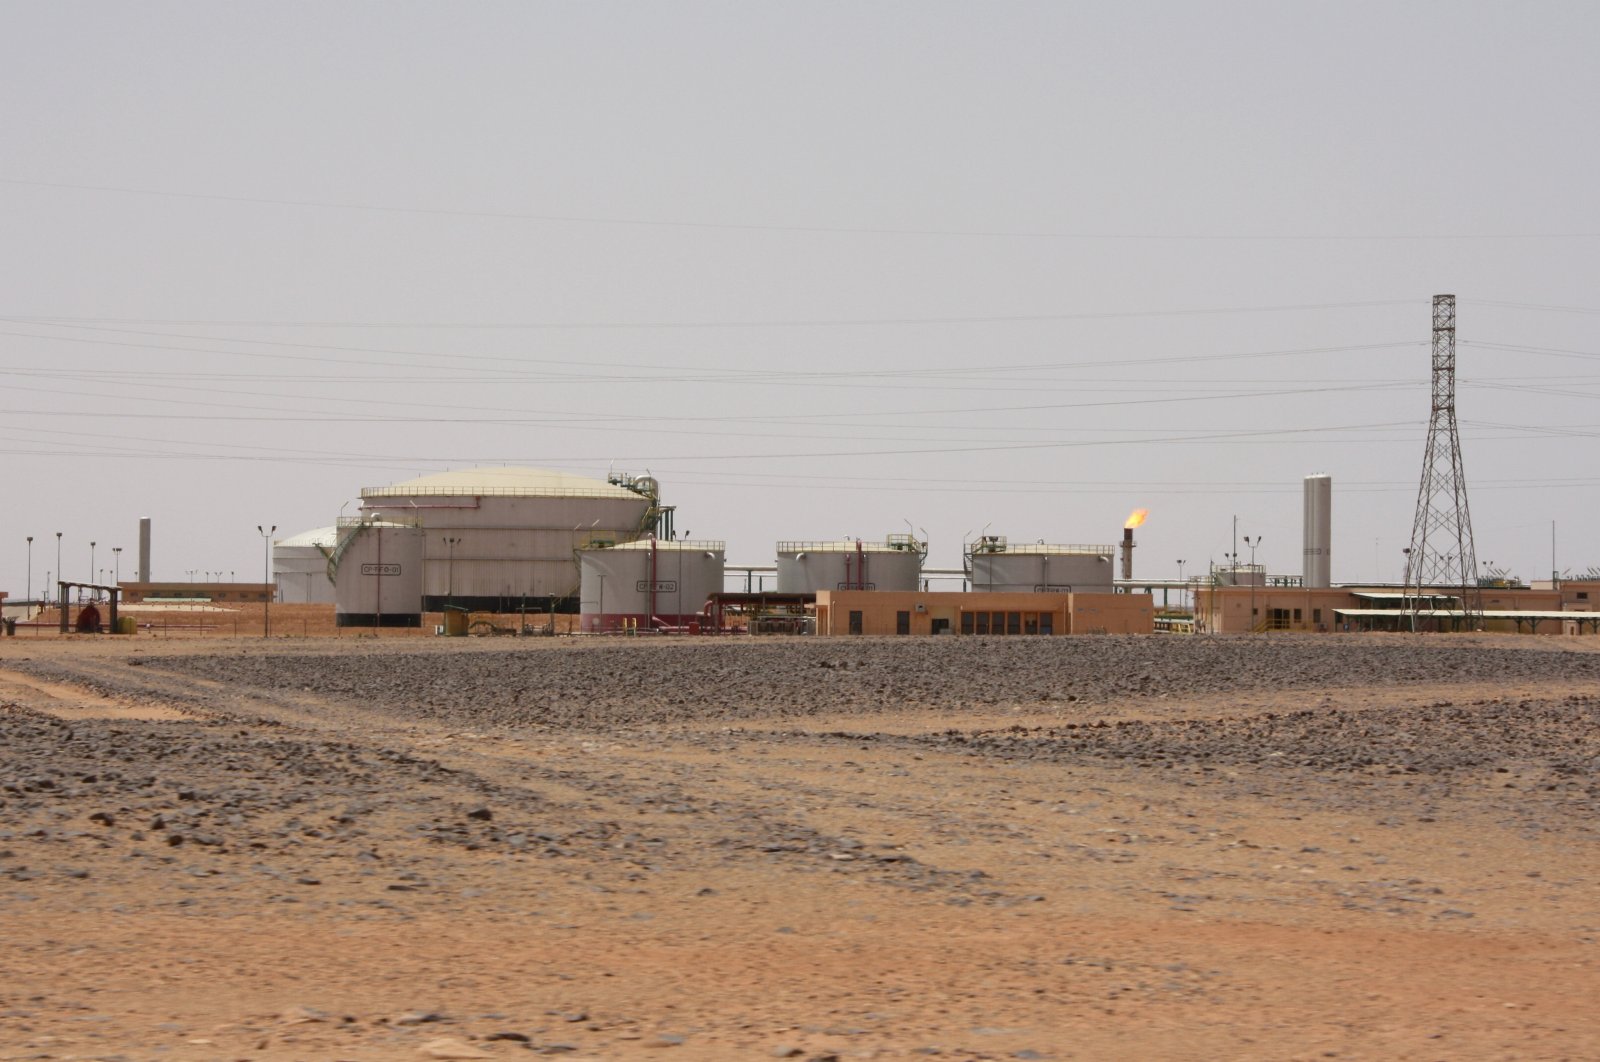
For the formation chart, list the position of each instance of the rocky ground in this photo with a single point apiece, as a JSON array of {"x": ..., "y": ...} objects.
[{"x": 1346, "y": 846}]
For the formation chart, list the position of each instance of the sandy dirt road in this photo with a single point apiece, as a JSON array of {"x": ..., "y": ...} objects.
[{"x": 1143, "y": 848}]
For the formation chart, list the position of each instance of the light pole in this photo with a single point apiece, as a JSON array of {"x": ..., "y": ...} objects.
[
  {"x": 266, "y": 577},
  {"x": 1233, "y": 575},
  {"x": 61, "y": 598},
  {"x": 116, "y": 552},
  {"x": 1185, "y": 588},
  {"x": 450, "y": 573},
  {"x": 1252, "y": 546},
  {"x": 92, "y": 575},
  {"x": 30, "y": 571}
]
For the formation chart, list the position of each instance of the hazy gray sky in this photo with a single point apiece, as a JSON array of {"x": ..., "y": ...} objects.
[{"x": 822, "y": 268}]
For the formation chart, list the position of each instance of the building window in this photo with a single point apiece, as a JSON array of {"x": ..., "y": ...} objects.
[
  {"x": 966, "y": 623},
  {"x": 1047, "y": 623},
  {"x": 1030, "y": 623},
  {"x": 1297, "y": 615},
  {"x": 902, "y": 623},
  {"x": 1013, "y": 623},
  {"x": 983, "y": 622},
  {"x": 855, "y": 621},
  {"x": 1316, "y": 615},
  {"x": 1583, "y": 595},
  {"x": 997, "y": 623}
]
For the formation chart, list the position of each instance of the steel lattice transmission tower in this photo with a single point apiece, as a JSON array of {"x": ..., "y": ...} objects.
[{"x": 1441, "y": 554}]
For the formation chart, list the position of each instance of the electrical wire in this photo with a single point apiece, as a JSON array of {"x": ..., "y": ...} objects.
[{"x": 822, "y": 230}]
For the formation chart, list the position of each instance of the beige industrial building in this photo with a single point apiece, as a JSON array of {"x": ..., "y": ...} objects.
[
  {"x": 1570, "y": 608},
  {"x": 866, "y": 612}
]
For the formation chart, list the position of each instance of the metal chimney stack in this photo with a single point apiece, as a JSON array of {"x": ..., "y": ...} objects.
[
  {"x": 144, "y": 549},
  {"x": 1127, "y": 553},
  {"x": 1317, "y": 566}
]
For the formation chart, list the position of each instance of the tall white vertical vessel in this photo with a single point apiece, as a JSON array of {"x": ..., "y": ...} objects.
[{"x": 1317, "y": 570}]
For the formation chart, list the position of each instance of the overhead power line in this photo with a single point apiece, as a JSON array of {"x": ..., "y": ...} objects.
[
  {"x": 818, "y": 230},
  {"x": 780, "y": 322}
]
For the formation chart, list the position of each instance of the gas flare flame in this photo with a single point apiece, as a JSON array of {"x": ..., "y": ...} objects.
[{"x": 1137, "y": 519}]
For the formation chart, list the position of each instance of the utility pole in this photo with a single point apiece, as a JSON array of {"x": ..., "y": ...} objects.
[
  {"x": 451, "y": 541},
  {"x": 30, "y": 574},
  {"x": 1252, "y": 570},
  {"x": 266, "y": 578},
  {"x": 1442, "y": 552}
]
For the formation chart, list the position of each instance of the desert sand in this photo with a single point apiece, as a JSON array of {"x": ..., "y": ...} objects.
[{"x": 218, "y": 847}]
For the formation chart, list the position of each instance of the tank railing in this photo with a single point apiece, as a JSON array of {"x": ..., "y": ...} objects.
[
  {"x": 1041, "y": 548},
  {"x": 664, "y": 544},
  {"x": 613, "y": 493},
  {"x": 372, "y": 520},
  {"x": 842, "y": 545}
]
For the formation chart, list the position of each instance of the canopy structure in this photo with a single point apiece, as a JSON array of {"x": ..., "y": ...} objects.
[
  {"x": 1531, "y": 617},
  {"x": 114, "y": 591}
]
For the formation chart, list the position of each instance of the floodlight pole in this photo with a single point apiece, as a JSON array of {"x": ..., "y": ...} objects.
[
  {"x": 450, "y": 574},
  {"x": 266, "y": 578},
  {"x": 1252, "y": 546}
]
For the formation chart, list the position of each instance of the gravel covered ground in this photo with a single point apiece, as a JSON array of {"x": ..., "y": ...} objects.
[
  {"x": 623, "y": 683},
  {"x": 810, "y": 848}
]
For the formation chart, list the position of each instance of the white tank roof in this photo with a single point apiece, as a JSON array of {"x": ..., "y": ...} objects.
[
  {"x": 321, "y": 536},
  {"x": 503, "y": 482}
]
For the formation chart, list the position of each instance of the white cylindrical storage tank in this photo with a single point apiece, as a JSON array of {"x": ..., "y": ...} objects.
[
  {"x": 300, "y": 566},
  {"x": 501, "y": 539},
  {"x": 377, "y": 572},
  {"x": 849, "y": 564},
  {"x": 649, "y": 585},
  {"x": 1317, "y": 573},
  {"x": 1045, "y": 569}
]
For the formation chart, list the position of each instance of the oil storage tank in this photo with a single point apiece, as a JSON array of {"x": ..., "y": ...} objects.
[
  {"x": 997, "y": 566},
  {"x": 300, "y": 566},
  {"x": 851, "y": 564},
  {"x": 376, "y": 569},
  {"x": 649, "y": 584},
  {"x": 503, "y": 538}
]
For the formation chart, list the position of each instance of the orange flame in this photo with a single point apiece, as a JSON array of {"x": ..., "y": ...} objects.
[{"x": 1137, "y": 519}]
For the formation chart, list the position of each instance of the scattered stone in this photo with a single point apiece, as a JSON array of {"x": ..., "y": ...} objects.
[{"x": 449, "y": 1047}]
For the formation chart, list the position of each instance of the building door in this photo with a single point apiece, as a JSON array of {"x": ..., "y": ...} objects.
[
  {"x": 902, "y": 623},
  {"x": 855, "y": 621}
]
